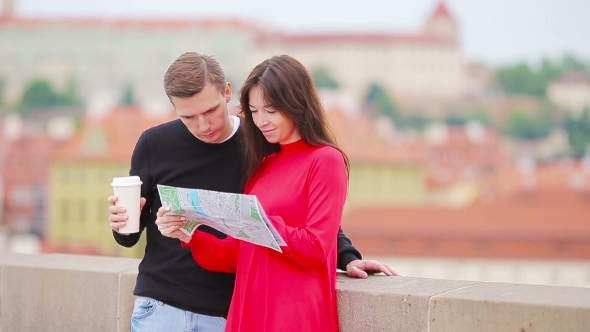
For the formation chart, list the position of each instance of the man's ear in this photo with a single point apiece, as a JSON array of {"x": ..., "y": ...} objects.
[{"x": 227, "y": 92}]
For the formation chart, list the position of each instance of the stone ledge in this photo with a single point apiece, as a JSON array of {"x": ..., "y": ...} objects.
[{"x": 56, "y": 292}]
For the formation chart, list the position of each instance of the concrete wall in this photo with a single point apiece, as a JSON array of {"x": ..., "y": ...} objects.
[
  {"x": 87, "y": 293},
  {"x": 562, "y": 272}
]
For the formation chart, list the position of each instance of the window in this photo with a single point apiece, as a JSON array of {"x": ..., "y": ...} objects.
[
  {"x": 64, "y": 212},
  {"x": 21, "y": 195}
]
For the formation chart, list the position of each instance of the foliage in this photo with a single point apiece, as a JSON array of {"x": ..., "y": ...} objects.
[
  {"x": 414, "y": 121},
  {"x": 571, "y": 64},
  {"x": 39, "y": 94},
  {"x": 481, "y": 116},
  {"x": 322, "y": 79},
  {"x": 70, "y": 95},
  {"x": 578, "y": 130},
  {"x": 522, "y": 79},
  {"x": 456, "y": 119},
  {"x": 128, "y": 96},
  {"x": 2, "y": 87},
  {"x": 380, "y": 103},
  {"x": 523, "y": 126}
]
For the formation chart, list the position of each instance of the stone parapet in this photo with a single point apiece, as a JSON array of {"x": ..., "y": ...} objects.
[{"x": 56, "y": 292}]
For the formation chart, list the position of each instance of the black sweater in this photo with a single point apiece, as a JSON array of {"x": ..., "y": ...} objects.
[{"x": 169, "y": 154}]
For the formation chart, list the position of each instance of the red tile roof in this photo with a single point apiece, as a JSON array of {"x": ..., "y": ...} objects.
[
  {"x": 572, "y": 79},
  {"x": 357, "y": 136},
  {"x": 551, "y": 221},
  {"x": 442, "y": 11},
  {"x": 461, "y": 156},
  {"x": 352, "y": 38},
  {"x": 142, "y": 23},
  {"x": 114, "y": 135}
]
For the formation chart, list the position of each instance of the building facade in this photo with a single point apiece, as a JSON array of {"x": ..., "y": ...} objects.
[
  {"x": 570, "y": 92},
  {"x": 413, "y": 67},
  {"x": 103, "y": 56},
  {"x": 80, "y": 181}
]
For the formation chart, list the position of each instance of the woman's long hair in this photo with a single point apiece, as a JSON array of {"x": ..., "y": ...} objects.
[{"x": 288, "y": 88}]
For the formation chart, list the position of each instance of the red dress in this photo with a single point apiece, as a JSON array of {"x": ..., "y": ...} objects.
[{"x": 302, "y": 189}]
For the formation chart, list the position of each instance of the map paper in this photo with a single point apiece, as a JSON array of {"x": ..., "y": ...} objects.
[{"x": 238, "y": 215}]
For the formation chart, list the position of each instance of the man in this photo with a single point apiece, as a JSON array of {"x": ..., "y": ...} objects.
[{"x": 201, "y": 149}]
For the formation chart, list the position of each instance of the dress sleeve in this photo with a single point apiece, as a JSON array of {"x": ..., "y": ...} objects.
[
  {"x": 214, "y": 254},
  {"x": 327, "y": 184},
  {"x": 139, "y": 167}
]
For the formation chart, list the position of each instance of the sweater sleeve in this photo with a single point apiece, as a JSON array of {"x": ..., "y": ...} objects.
[
  {"x": 214, "y": 254},
  {"x": 327, "y": 183},
  {"x": 139, "y": 167},
  {"x": 346, "y": 251}
]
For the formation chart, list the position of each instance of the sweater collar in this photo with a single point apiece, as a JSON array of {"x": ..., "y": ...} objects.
[{"x": 295, "y": 147}]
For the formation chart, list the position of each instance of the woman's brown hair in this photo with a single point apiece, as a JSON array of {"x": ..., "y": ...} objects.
[{"x": 288, "y": 88}]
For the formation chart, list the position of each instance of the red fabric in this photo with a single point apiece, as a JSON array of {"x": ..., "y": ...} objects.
[{"x": 303, "y": 190}]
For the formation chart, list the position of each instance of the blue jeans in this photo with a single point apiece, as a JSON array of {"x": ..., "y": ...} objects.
[{"x": 150, "y": 315}]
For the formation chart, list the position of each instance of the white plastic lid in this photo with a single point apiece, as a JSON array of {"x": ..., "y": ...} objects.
[{"x": 126, "y": 181}]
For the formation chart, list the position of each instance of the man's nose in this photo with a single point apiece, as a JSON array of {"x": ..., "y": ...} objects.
[{"x": 203, "y": 123}]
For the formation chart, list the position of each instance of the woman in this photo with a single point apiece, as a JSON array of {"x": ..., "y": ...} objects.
[{"x": 300, "y": 177}]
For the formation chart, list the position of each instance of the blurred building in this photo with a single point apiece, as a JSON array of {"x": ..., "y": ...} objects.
[
  {"x": 499, "y": 108},
  {"x": 7, "y": 8},
  {"x": 542, "y": 214},
  {"x": 27, "y": 149},
  {"x": 447, "y": 166},
  {"x": 424, "y": 67},
  {"x": 106, "y": 55},
  {"x": 481, "y": 82},
  {"x": 570, "y": 92},
  {"x": 423, "y": 70},
  {"x": 382, "y": 171},
  {"x": 555, "y": 145},
  {"x": 459, "y": 159},
  {"x": 80, "y": 177}
]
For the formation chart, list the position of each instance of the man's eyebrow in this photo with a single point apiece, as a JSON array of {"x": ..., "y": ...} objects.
[{"x": 213, "y": 107}]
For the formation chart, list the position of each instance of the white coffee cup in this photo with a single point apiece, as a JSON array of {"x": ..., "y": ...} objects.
[{"x": 128, "y": 191}]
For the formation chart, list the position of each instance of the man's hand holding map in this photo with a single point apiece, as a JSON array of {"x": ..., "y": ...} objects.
[{"x": 238, "y": 215}]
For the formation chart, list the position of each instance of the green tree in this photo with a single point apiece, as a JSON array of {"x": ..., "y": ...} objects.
[
  {"x": 414, "y": 121},
  {"x": 2, "y": 87},
  {"x": 322, "y": 79},
  {"x": 572, "y": 64},
  {"x": 455, "y": 119},
  {"x": 520, "y": 79},
  {"x": 380, "y": 103},
  {"x": 70, "y": 96},
  {"x": 521, "y": 125},
  {"x": 548, "y": 71},
  {"x": 480, "y": 115},
  {"x": 128, "y": 96},
  {"x": 578, "y": 130},
  {"x": 40, "y": 94}
]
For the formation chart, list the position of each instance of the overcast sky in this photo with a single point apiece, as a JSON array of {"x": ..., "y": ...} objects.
[{"x": 492, "y": 31}]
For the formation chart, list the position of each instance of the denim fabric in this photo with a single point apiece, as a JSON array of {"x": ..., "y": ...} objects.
[{"x": 150, "y": 315}]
